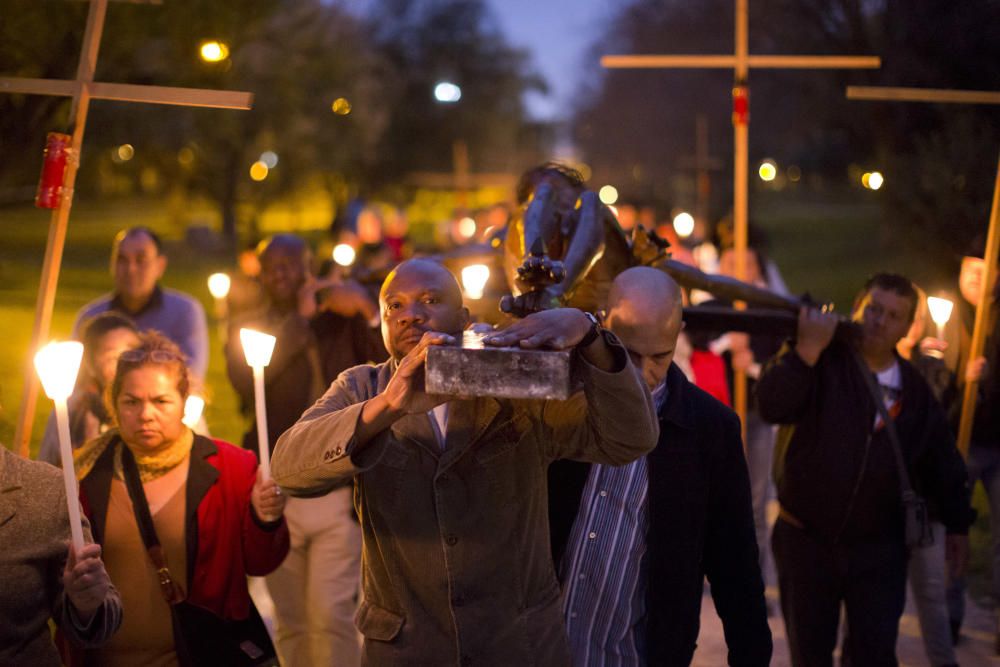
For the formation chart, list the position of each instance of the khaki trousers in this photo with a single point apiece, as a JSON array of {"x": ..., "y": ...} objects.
[{"x": 315, "y": 591}]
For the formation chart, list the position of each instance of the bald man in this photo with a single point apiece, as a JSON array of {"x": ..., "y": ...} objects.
[
  {"x": 633, "y": 544},
  {"x": 452, "y": 493}
]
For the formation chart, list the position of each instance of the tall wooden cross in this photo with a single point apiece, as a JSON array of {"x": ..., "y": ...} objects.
[
  {"x": 702, "y": 163},
  {"x": 741, "y": 62},
  {"x": 83, "y": 89},
  {"x": 979, "y": 332}
]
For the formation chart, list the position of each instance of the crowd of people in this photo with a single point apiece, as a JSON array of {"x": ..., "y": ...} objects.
[{"x": 403, "y": 527}]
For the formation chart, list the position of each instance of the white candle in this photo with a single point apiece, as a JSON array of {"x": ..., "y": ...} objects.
[
  {"x": 57, "y": 365},
  {"x": 258, "y": 347}
]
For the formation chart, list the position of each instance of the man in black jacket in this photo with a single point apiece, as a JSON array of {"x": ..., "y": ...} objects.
[
  {"x": 839, "y": 536},
  {"x": 634, "y": 544}
]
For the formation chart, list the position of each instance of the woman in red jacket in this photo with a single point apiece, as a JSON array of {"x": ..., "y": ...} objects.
[{"x": 216, "y": 520}]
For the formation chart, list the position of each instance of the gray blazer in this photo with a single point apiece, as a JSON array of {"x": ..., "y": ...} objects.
[
  {"x": 34, "y": 539},
  {"x": 456, "y": 561}
]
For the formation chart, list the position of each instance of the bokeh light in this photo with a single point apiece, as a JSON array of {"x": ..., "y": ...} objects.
[
  {"x": 447, "y": 92},
  {"x": 767, "y": 171},
  {"x": 467, "y": 228},
  {"x": 341, "y": 106},
  {"x": 608, "y": 194},
  {"x": 344, "y": 254},
  {"x": 258, "y": 171},
  {"x": 213, "y": 51},
  {"x": 684, "y": 224},
  {"x": 270, "y": 159}
]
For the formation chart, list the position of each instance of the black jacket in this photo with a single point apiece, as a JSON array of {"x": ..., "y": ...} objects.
[
  {"x": 837, "y": 477},
  {"x": 701, "y": 524}
]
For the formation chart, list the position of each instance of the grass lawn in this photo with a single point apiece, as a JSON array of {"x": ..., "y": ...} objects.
[
  {"x": 84, "y": 276},
  {"x": 826, "y": 245}
]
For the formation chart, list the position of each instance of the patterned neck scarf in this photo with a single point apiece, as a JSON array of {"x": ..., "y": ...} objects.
[{"x": 151, "y": 464}]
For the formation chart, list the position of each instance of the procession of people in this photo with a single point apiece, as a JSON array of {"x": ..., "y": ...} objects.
[{"x": 398, "y": 526}]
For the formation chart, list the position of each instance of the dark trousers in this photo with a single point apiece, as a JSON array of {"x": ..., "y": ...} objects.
[{"x": 815, "y": 578}]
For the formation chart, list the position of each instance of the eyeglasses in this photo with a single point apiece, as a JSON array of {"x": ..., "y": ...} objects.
[{"x": 156, "y": 356}]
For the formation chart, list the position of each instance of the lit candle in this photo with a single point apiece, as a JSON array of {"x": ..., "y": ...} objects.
[
  {"x": 193, "y": 407},
  {"x": 940, "y": 313},
  {"x": 57, "y": 365},
  {"x": 218, "y": 285},
  {"x": 474, "y": 279},
  {"x": 258, "y": 347}
]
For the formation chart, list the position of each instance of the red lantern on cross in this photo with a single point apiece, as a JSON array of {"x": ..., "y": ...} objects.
[
  {"x": 741, "y": 104},
  {"x": 50, "y": 184}
]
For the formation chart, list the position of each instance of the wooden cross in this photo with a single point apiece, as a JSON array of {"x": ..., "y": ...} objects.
[
  {"x": 979, "y": 332},
  {"x": 741, "y": 61},
  {"x": 83, "y": 89},
  {"x": 702, "y": 163}
]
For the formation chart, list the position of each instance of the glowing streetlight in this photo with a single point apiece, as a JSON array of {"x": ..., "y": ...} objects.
[
  {"x": 474, "y": 279},
  {"x": 57, "y": 365},
  {"x": 608, "y": 194},
  {"x": 684, "y": 224},
  {"x": 193, "y": 407},
  {"x": 875, "y": 180},
  {"x": 258, "y": 347},
  {"x": 940, "y": 313},
  {"x": 213, "y": 51},
  {"x": 447, "y": 92},
  {"x": 768, "y": 171},
  {"x": 344, "y": 254}
]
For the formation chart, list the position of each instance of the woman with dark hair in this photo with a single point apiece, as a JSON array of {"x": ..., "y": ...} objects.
[
  {"x": 104, "y": 337},
  {"x": 214, "y": 518}
]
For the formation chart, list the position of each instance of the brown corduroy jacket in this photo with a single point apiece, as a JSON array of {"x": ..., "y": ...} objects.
[{"x": 457, "y": 567}]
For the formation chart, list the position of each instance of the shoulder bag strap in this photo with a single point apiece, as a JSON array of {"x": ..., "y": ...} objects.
[
  {"x": 890, "y": 426},
  {"x": 171, "y": 590}
]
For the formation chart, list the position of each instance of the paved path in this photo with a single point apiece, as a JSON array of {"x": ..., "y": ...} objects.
[{"x": 974, "y": 650}]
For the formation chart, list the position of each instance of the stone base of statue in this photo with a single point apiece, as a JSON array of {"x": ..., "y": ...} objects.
[{"x": 473, "y": 370}]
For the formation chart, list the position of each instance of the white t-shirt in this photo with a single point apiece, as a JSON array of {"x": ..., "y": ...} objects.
[{"x": 890, "y": 381}]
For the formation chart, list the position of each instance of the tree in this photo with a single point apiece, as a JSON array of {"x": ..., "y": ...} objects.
[
  {"x": 939, "y": 161},
  {"x": 427, "y": 41},
  {"x": 296, "y": 56}
]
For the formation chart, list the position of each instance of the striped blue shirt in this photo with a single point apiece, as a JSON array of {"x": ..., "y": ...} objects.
[{"x": 604, "y": 570}]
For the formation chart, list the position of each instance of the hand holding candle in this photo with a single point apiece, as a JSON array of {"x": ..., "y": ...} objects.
[
  {"x": 57, "y": 365},
  {"x": 940, "y": 310},
  {"x": 258, "y": 347}
]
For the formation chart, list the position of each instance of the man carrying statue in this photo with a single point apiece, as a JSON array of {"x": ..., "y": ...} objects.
[{"x": 451, "y": 493}]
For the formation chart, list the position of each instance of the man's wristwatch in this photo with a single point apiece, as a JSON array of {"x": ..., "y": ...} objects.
[{"x": 590, "y": 336}]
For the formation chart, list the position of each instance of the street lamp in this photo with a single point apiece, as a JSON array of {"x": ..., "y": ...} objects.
[
  {"x": 447, "y": 92},
  {"x": 257, "y": 348},
  {"x": 57, "y": 365}
]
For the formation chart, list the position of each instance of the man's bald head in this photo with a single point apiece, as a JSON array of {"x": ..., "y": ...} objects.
[
  {"x": 644, "y": 311},
  {"x": 419, "y": 296}
]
